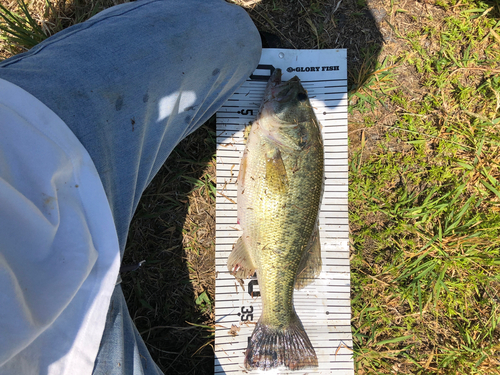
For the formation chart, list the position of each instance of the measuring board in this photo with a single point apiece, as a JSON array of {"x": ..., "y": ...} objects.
[{"x": 323, "y": 306}]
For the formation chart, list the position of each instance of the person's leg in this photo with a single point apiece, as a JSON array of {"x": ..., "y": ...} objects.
[
  {"x": 131, "y": 83},
  {"x": 135, "y": 79},
  {"x": 122, "y": 350}
]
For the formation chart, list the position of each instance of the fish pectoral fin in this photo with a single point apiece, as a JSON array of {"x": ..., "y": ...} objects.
[
  {"x": 291, "y": 143},
  {"x": 240, "y": 263},
  {"x": 276, "y": 177},
  {"x": 310, "y": 264}
]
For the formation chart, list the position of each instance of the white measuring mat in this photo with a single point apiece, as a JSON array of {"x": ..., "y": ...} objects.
[{"x": 323, "y": 306}]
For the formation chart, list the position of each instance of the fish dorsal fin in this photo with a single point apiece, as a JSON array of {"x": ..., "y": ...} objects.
[
  {"x": 276, "y": 177},
  {"x": 310, "y": 265},
  {"x": 240, "y": 263}
]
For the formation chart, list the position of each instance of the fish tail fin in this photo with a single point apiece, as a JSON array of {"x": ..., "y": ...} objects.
[{"x": 271, "y": 347}]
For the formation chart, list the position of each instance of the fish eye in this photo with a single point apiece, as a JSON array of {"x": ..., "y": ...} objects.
[{"x": 301, "y": 97}]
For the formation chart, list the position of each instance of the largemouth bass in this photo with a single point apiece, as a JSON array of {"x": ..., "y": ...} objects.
[{"x": 279, "y": 191}]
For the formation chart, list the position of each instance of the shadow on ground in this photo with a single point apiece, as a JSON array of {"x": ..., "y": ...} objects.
[
  {"x": 173, "y": 230},
  {"x": 161, "y": 295},
  {"x": 310, "y": 24}
]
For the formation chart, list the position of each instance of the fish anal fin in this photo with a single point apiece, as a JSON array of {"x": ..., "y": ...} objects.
[
  {"x": 240, "y": 263},
  {"x": 310, "y": 264},
  {"x": 276, "y": 176}
]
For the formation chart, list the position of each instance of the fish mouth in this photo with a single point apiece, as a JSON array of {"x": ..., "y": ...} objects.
[
  {"x": 275, "y": 77},
  {"x": 270, "y": 93},
  {"x": 272, "y": 84},
  {"x": 276, "y": 88}
]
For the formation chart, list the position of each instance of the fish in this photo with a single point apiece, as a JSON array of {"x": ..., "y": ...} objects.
[{"x": 280, "y": 185}]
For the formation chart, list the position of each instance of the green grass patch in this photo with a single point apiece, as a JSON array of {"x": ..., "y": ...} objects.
[
  {"x": 19, "y": 29},
  {"x": 424, "y": 207}
]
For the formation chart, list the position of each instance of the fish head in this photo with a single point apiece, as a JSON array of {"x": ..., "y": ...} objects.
[
  {"x": 286, "y": 101},
  {"x": 286, "y": 111}
]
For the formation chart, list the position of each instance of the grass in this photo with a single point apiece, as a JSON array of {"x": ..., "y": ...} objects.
[
  {"x": 424, "y": 196},
  {"x": 424, "y": 201},
  {"x": 24, "y": 24},
  {"x": 20, "y": 29}
]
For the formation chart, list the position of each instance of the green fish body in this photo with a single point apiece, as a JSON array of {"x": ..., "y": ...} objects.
[{"x": 279, "y": 192}]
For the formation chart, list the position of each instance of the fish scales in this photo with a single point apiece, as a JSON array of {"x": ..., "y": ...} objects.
[
  {"x": 279, "y": 226},
  {"x": 279, "y": 192}
]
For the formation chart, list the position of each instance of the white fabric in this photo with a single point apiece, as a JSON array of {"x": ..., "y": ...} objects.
[{"x": 59, "y": 254}]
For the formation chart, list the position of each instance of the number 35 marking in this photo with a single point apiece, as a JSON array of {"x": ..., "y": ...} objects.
[{"x": 246, "y": 313}]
